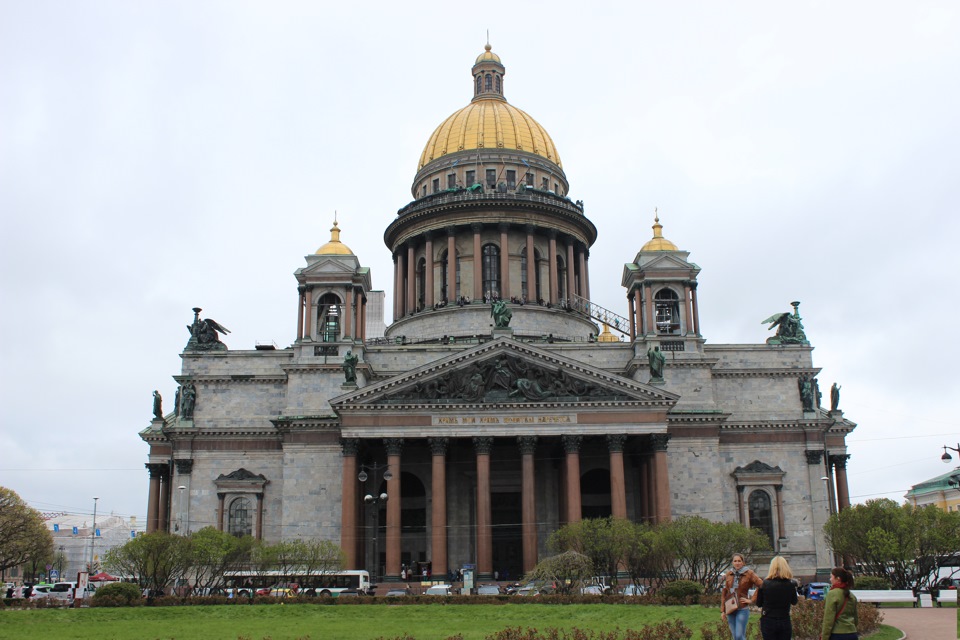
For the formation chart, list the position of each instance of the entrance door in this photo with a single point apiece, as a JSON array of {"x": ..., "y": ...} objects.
[{"x": 507, "y": 530}]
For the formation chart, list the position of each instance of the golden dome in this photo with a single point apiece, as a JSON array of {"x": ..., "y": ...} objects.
[
  {"x": 488, "y": 55},
  {"x": 658, "y": 242},
  {"x": 334, "y": 247},
  {"x": 489, "y": 123}
]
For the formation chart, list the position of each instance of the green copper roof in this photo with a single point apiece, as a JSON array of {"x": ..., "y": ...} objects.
[{"x": 940, "y": 483}]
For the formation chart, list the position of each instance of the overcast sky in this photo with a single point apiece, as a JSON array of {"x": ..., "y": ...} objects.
[{"x": 156, "y": 156}]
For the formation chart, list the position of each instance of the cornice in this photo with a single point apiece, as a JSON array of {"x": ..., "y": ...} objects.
[
  {"x": 437, "y": 405},
  {"x": 764, "y": 373},
  {"x": 233, "y": 378}
]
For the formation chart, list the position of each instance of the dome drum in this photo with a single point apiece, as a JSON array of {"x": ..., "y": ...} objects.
[
  {"x": 467, "y": 324},
  {"x": 493, "y": 170}
]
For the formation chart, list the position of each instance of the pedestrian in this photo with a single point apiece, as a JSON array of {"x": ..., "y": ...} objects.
[
  {"x": 840, "y": 618},
  {"x": 775, "y": 597},
  {"x": 739, "y": 592}
]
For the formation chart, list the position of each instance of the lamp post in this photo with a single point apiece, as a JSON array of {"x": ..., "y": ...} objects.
[
  {"x": 93, "y": 533},
  {"x": 373, "y": 500},
  {"x": 826, "y": 493},
  {"x": 180, "y": 510},
  {"x": 946, "y": 457}
]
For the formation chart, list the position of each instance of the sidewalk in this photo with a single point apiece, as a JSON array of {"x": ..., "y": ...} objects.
[{"x": 923, "y": 624}]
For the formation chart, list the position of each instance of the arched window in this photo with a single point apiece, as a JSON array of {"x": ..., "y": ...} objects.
[
  {"x": 561, "y": 278},
  {"x": 445, "y": 292},
  {"x": 240, "y": 518},
  {"x": 421, "y": 282},
  {"x": 491, "y": 270},
  {"x": 667, "y": 304},
  {"x": 498, "y": 84},
  {"x": 488, "y": 82},
  {"x": 524, "y": 285},
  {"x": 761, "y": 513},
  {"x": 328, "y": 318},
  {"x": 478, "y": 84}
]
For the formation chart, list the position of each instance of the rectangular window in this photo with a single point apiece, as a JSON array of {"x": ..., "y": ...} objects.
[
  {"x": 452, "y": 181},
  {"x": 436, "y": 185},
  {"x": 471, "y": 178},
  {"x": 491, "y": 177},
  {"x": 545, "y": 184},
  {"x": 511, "y": 179},
  {"x": 530, "y": 179}
]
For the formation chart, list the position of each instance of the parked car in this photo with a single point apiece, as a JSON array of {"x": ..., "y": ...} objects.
[
  {"x": 439, "y": 590},
  {"x": 489, "y": 590},
  {"x": 284, "y": 591},
  {"x": 397, "y": 593},
  {"x": 592, "y": 590},
  {"x": 635, "y": 590},
  {"x": 948, "y": 583},
  {"x": 817, "y": 590}
]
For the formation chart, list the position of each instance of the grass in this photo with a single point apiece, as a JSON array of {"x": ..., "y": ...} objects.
[{"x": 310, "y": 622}]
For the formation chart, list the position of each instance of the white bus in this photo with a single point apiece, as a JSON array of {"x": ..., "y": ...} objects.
[{"x": 327, "y": 583}]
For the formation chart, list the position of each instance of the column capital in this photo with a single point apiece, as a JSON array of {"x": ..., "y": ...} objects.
[
  {"x": 451, "y": 230},
  {"x": 615, "y": 441},
  {"x": 394, "y": 446},
  {"x": 778, "y": 488},
  {"x": 740, "y": 488},
  {"x": 503, "y": 227},
  {"x": 571, "y": 444},
  {"x": 527, "y": 444},
  {"x": 350, "y": 446},
  {"x": 839, "y": 460},
  {"x": 814, "y": 456},
  {"x": 438, "y": 446},
  {"x": 184, "y": 466},
  {"x": 221, "y": 496},
  {"x": 301, "y": 289},
  {"x": 659, "y": 441},
  {"x": 483, "y": 445},
  {"x": 153, "y": 469},
  {"x": 476, "y": 227},
  {"x": 553, "y": 234}
]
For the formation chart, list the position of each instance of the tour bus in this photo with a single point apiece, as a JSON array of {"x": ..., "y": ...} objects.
[{"x": 328, "y": 583}]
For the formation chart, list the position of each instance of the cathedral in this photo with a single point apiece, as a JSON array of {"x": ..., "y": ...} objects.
[{"x": 499, "y": 403}]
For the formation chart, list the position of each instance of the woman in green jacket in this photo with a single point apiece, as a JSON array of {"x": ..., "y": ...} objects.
[{"x": 840, "y": 608}]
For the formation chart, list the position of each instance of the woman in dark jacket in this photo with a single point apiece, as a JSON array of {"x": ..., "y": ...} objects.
[
  {"x": 775, "y": 597},
  {"x": 738, "y": 584}
]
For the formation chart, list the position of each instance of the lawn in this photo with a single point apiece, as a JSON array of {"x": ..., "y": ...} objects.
[{"x": 311, "y": 622}]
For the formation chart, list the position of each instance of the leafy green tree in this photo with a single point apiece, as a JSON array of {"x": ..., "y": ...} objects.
[
  {"x": 567, "y": 571},
  {"x": 900, "y": 543},
  {"x": 156, "y": 559},
  {"x": 24, "y": 538},
  {"x": 649, "y": 558},
  {"x": 215, "y": 553},
  {"x": 701, "y": 549},
  {"x": 607, "y": 542}
]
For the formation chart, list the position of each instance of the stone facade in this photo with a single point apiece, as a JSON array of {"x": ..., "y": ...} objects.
[{"x": 494, "y": 437}]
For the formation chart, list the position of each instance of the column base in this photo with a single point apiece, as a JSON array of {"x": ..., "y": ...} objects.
[
  {"x": 505, "y": 332},
  {"x": 657, "y": 381},
  {"x": 349, "y": 386}
]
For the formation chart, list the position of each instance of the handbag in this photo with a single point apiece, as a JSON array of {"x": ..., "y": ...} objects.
[{"x": 730, "y": 604}]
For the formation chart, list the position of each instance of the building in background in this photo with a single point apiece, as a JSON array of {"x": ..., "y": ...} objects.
[
  {"x": 497, "y": 405},
  {"x": 942, "y": 491}
]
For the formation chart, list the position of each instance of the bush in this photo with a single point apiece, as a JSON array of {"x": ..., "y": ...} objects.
[
  {"x": 118, "y": 594},
  {"x": 873, "y": 583},
  {"x": 807, "y": 618},
  {"x": 680, "y": 590}
]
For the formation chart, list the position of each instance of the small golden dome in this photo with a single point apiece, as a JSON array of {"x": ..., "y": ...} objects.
[
  {"x": 658, "y": 242},
  {"x": 606, "y": 336},
  {"x": 488, "y": 55},
  {"x": 334, "y": 247},
  {"x": 489, "y": 123}
]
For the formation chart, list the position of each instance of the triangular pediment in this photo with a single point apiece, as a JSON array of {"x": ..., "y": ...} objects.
[
  {"x": 326, "y": 265},
  {"x": 505, "y": 373},
  {"x": 665, "y": 261}
]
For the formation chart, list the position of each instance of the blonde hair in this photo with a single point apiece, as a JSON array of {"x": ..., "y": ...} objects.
[{"x": 779, "y": 569}]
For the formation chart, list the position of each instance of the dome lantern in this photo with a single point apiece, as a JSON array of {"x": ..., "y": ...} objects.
[{"x": 488, "y": 74}]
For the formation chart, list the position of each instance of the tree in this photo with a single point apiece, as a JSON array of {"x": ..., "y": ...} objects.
[
  {"x": 155, "y": 559},
  {"x": 900, "y": 543},
  {"x": 24, "y": 538},
  {"x": 701, "y": 549},
  {"x": 567, "y": 572},
  {"x": 215, "y": 553},
  {"x": 607, "y": 542}
]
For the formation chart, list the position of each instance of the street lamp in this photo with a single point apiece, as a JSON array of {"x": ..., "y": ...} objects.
[
  {"x": 372, "y": 500},
  {"x": 180, "y": 503},
  {"x": 93, "y": 533},
  {"x": 946, "y": 457}
]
